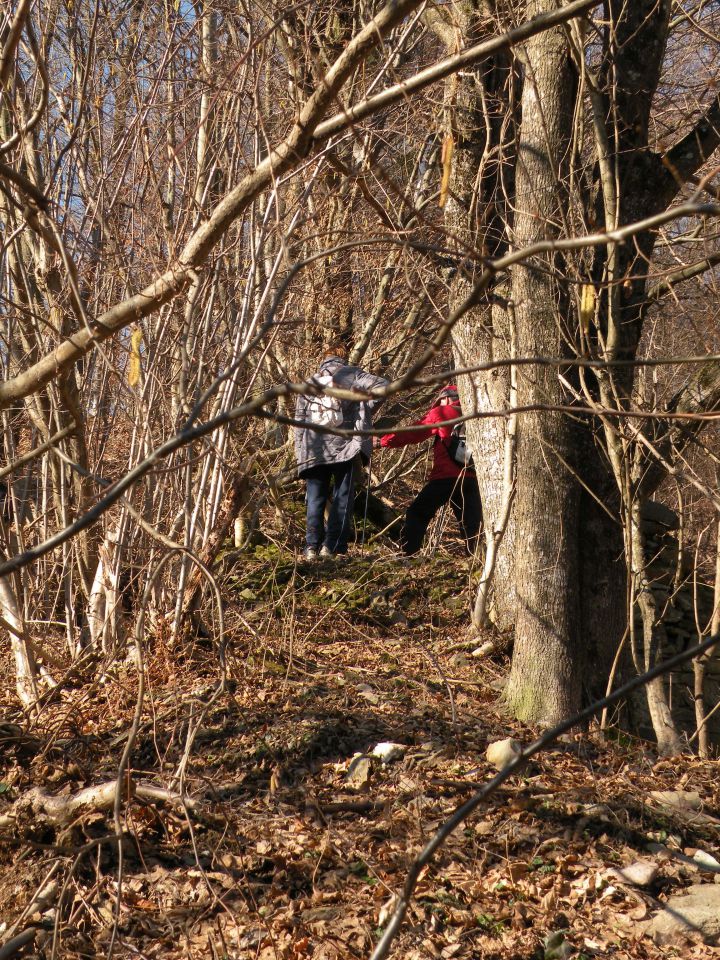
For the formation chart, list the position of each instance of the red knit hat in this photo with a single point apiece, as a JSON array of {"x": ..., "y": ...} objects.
[{"x": 450, "y": 391}]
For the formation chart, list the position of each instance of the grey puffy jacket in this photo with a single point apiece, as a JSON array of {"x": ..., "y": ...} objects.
[{"x": 313, "y": 447}]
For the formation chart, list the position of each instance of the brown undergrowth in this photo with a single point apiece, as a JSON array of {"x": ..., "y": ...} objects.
[{"x": 290, "y": 848}]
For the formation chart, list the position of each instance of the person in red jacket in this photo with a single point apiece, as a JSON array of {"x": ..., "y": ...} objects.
[{"x": 448, "y": 481}]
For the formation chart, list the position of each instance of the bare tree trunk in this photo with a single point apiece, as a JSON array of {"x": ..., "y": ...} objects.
[
  {"x": 235, "y": 498},
  {"x": 700, "y": 664},
  {"x": 478, "y": 134},
  {"x": 103, "y": 605},
  {"x": 545, "y": 678},
  {"x": 25, "y": 666},
  {"x": 663, "y": 724},
  {"x": 496, "y": 529}
]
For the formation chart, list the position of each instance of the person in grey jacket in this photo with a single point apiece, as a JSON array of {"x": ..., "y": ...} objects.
[{"x": 326, "y": 460}]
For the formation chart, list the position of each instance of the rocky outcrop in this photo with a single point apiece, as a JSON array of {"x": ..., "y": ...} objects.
[{"x": 692, "y": 915}]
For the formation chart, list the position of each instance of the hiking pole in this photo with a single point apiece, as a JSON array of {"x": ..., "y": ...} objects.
[{"x": 367, "y": 500}]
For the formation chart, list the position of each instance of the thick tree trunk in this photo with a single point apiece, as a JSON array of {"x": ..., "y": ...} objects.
[
  {"x": 482, "y": 393},
  {"x": 478, "y": 103},
  {"x": 603, "y": 574},
  {"x": 544, "y": 684}
]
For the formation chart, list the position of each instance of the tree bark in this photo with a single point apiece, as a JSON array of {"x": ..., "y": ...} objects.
[
  {"x": 479, "y": 127},
  {"x": 544, "y": 684},
  {"x": 25, "y": 666},
  {"x": 653, "y": 635}
]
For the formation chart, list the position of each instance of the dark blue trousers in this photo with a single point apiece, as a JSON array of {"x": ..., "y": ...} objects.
[{"x": 320, "y": 478}]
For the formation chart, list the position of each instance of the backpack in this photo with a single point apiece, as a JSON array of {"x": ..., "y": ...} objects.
[
  {"x": 457, "y": 447},
  {"x": 323, "y": 410}
]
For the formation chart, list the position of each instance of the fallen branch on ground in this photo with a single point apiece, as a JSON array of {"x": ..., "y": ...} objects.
[
  {"x": 58, "y": 811},
  {"x": 17, "y": 943}
]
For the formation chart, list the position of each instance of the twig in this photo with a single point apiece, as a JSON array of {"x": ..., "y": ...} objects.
[
  {"x": 348, "y": 806},
  {"x": 464, "y": 811}
]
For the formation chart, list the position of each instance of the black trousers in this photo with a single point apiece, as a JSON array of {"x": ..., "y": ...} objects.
[{"x": 461, "y": 493}]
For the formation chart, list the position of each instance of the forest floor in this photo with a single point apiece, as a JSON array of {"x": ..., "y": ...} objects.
[{"x": 292, "y": 846}]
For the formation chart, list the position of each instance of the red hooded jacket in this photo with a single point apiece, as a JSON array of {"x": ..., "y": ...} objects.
[{"x": 444, "y": 467}]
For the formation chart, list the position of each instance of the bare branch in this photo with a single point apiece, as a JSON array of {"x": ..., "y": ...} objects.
[
  {"x": 196, "y": 250},
  {"x": 444, "y": 68},
  {"x": 688, "y": 155},
  {"x": 464, "y": 811},
  {"x": 306, "y": 133},
  {"x": 12, "y": 39}
]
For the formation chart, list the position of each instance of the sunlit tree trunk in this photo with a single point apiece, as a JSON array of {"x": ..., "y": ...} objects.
[
  {"x": 544, "y": 684},
  {"x": 14, "y": 625},
  {"x": 477, "y": 135}
]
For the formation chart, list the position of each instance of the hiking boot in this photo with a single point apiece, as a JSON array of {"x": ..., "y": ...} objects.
[
  {"x": 326, "y": 553},
  {"x": 310, "y": 553}
]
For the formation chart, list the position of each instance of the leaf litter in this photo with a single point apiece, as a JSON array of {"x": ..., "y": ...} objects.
[{"x": 285, "y": 854}]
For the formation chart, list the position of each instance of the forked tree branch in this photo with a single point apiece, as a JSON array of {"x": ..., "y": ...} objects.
[
  {"x": 279, "y": 161},
  {"x": 306, "y": 135}
]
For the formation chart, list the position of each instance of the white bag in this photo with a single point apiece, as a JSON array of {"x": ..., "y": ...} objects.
[{"x": 324, "y": 411}]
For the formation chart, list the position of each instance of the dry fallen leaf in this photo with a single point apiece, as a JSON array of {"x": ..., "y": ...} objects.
[
  {"x": 549, "y": 901},
  {"x": 639, "y": 913},
  {"x": 517, "y": 871}
]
